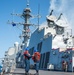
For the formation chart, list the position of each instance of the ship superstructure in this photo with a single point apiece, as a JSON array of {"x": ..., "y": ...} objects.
[{"x": 54, "y": 45}]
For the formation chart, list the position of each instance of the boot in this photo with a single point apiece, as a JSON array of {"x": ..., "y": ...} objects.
[
  {"x": 26, "y": 73},
  {"x": 37, "y": 73}
]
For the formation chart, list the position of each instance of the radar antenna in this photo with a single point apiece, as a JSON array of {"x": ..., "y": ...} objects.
[{"x": 27, "y": 3}]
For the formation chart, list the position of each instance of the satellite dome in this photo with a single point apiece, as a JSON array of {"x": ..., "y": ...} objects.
[
  {"x": 61, "y": 23},
  {"x": 16, "y": 44},
  {"x": 52, "y": 18},
  {"x": 11, "y": 51}
]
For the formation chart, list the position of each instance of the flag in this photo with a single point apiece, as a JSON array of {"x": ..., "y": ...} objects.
[{"x": 13, "y": 24}]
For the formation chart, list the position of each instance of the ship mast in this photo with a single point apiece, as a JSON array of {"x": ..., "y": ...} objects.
[{"x": 26, "y": 31}]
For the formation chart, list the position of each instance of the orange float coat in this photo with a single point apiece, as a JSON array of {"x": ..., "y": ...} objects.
[{"x": 36, "y": 57}]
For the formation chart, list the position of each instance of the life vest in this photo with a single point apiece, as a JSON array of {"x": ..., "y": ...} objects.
[
  {"x": 26, "y": 52},
  {"x": 36, "y": 57}
]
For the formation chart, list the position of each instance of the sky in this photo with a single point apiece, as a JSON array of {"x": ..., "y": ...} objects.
[{"x": 9, "y": 34}]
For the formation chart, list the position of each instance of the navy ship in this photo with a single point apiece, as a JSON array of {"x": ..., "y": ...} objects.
[
  {"x": 54, "y": 43},
  {"x": 52, "y": 39}
]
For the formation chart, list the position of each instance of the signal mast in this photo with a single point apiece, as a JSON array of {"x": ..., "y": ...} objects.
[{"x": 26, "y": 30}]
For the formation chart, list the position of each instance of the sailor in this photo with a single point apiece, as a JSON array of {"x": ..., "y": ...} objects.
[
  {"x": 27, "y": 57},
  {"x": 65, "y": 65},
  {"x": 36, "y": 59}
]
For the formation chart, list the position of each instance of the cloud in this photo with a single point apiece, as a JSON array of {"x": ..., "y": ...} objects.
[
  {"x": 66, "y": 7},
  {"x": 58, "y": 5},
  {"x": 52, "y": 4}
]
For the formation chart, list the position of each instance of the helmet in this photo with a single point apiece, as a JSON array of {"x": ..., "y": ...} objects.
[
  {"x": 27, "y": 48},
  {"x": 35, "y": 50}
]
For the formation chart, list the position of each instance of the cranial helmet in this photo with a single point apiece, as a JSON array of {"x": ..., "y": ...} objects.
[
  {"x": 27, "y": 49},
  {"x": 35, "y": 50}
]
